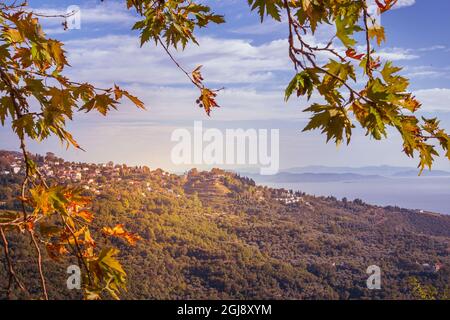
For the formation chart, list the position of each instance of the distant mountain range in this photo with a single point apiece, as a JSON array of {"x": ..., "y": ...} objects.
[
  {"x": 386, "y": 171},
  {"x": 335, "y": 174}
]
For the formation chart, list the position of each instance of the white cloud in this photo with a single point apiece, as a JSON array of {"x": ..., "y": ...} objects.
[
  {"x": 404, "y": 3},
  {"x": 434, "y": 100},
  {"x": 249, "y": 73},
  {"x": 432, "y": 48},
  {"x": 254, "y": 76},
  {"x": 237, "y": 104},
  {"x": 396, "y": 54},
  {"x": 428, "y": 72},
  {"x": 105, "y": 13},
  {"x": 226, "y": 61}
]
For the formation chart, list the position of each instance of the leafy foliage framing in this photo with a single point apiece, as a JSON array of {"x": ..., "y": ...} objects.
[{"x": 38, "y": 100}]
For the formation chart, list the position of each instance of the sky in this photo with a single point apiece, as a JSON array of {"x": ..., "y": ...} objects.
[{"x": 250, "y": 60}]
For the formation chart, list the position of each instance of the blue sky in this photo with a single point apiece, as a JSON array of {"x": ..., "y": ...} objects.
[{"x": 251, "y": 61}]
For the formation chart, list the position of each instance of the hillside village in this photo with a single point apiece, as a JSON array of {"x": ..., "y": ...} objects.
[{"x": 94, "y": 177}]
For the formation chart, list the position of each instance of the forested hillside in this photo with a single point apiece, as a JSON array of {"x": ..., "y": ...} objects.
[{"x": 218, "y": 235}]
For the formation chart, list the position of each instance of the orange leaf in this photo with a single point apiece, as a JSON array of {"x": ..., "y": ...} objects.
[{"x": 119, "y": 232}]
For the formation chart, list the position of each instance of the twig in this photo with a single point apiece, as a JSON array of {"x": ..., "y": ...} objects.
[
  {"x": 369, "y": 60},
  {"x": 10, "y": 267},
  {"x": 41, "y": 272},
  {"x": 177, "y": 63}
]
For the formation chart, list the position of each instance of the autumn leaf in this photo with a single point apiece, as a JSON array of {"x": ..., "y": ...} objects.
[
  {"x": 378, "y": 33},
  {"x": 197, "y": 76},
  {"x": 385, "y": 5},
  {"x": 207, "y": 100},
  {"x": 56, "y": 251},
  {"x": 351, "y": 53},
  {"x": 85, "y": 215},
  {"x": 119, "y": 232}
]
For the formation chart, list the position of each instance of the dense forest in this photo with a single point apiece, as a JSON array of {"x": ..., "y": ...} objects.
[{"x": 217, "y": 235}]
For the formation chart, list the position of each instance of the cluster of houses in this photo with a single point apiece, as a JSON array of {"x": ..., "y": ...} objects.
[
  {"x": 53, "y": 168},
  {"x": 291, "y": 198},
  {"x": 93, "y": 176},
  {"x": 14, "y": 165}
]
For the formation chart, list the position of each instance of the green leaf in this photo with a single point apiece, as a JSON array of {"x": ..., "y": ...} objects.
[
  {"x": 388, "y": 71},
  {"x": 333, "y": 120},
  {"x": 109, "y": 263},
  {"x": 345, "y": 28},
  {"x": 266, "y": 7},
  {"x": 302, "y": 84}
]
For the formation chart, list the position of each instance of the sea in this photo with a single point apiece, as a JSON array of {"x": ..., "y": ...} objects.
[{"x": 422, "y": 193}]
